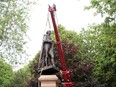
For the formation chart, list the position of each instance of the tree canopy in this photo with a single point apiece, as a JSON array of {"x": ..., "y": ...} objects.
[
  {"x": 104, "y": 42},
  {"x": 6, "y": 74},
  {"x": 13, "y": 27}
]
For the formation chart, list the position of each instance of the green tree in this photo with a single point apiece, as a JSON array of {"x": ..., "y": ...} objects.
[
  {"x": 104, "y": 43},
  {"x": 13, "y": 27},
  {"x": 20, "y": 77},
  {"x": 106, "y": 8},
  {"x": 6, "y": 74},
  {"x": 99, "y": 45}
]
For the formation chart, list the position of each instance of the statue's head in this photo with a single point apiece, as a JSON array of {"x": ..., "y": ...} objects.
[{"x": 48, "y": 32}]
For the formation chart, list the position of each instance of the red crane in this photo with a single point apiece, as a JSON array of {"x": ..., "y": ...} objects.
[{"x": 67, "y": 82}]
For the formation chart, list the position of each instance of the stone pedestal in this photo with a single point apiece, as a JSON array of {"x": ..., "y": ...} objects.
[{"x": 48, "y": 80}]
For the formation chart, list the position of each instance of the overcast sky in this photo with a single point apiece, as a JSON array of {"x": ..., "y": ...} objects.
[{"x": 70, "y": 14}]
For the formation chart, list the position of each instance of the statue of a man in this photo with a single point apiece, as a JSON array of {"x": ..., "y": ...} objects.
[{"x": 47, "y": 55}]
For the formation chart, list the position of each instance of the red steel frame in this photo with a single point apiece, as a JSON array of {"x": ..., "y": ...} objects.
[{"x": 67, "y": 82}]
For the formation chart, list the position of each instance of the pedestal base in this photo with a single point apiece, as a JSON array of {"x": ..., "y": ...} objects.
[{"x": 48, "y": 80}]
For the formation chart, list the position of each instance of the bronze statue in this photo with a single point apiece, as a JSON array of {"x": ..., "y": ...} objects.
[{"x": 47, "y": 55}]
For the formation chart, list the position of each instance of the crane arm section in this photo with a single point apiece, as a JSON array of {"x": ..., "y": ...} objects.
[{"x": 67, "y": 82}]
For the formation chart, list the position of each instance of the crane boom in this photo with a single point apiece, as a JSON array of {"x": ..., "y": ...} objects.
[{"x": 67, "y": 82}]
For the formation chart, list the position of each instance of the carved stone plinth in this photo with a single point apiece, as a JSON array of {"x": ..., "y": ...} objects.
[{"x": 48, "y": 80}]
